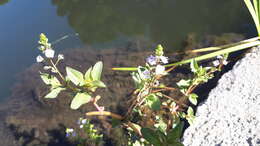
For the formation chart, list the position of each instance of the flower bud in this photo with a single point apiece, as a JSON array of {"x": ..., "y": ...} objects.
[
  {"x": 49, "y": 53},
  {"x": 39, "y": 58},
  {"x": 60, "y": 56}
]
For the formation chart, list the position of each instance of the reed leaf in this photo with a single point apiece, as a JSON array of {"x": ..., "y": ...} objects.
[
  {"x": 202, "y": 57},
  {"x": 223, "y": 46},
  {"x": 253, "y": 14},
  {"x": 214, "y": 54},
  {"x": 255, "y": 2}
]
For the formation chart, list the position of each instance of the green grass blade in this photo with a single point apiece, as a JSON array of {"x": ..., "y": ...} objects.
[
  {"x": 214, "y": 54},
  {"x": 125, "y": 68},
  {"x": 224, "y": 46},
  {"x": 255, "y": 2},
  {"x": 253, "y": 14},
  {"x": 203, "y": 57}
]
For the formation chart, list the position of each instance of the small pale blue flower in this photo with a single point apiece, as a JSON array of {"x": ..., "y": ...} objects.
[
  {"x": 152, "y": 60},
  {"x": 74, "y": 134},
  {"x": 84, "y": 121},
  {"x": 146, "y": 74}
]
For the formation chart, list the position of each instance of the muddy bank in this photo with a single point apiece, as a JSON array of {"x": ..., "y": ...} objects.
[{"x": 29, "y": 119}]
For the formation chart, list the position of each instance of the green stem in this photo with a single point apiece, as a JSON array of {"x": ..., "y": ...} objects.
[{"x": 54, "y": 66}]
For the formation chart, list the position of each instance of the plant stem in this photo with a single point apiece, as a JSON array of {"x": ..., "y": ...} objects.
[
  {"x": 54, "y": 66},
  {"x": 175, "y": 100},
  {"x": 104, "y": 113}
]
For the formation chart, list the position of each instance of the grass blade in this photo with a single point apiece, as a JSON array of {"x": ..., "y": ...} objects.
[
  {"x": 223, "y": 46},
  {"x": 255, "y": 2},
  {"x": 214, "y": 54},
  {"x": 253, "y": 14},
  {"x": 203, "y": 57}
]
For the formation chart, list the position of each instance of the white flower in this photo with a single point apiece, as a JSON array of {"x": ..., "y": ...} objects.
[
  {"x": 49, "y": 53},
  {"x": 146, "y": 74},
  {"x": 81, "y": 126},
  {"x": 216, "y": 63},
  {"x": 225, "y": 62},
  {"x": 164, "y": 59},
  {"x": 47, "y": 67},
  {"x": 84, "y": 121},
  {"x": 160, "y": 70},
  {"x": 69, "y": 130},
  {"x": 39, "y": 58},
  {"x": 60, "y": 56},
  {"x": 219, "y": 57}
]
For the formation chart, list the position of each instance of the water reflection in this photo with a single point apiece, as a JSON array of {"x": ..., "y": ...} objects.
[
  {"x": 161, "y": 21},
  {"x": 2, "y": 2}
]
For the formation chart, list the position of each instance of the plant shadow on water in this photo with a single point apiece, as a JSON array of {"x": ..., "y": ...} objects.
[
  {"x": 166, "y": 22},
  {"x": 35, "y": 120}
]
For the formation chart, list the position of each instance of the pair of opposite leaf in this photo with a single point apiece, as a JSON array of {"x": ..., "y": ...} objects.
[{"x": 91, "y": 81}]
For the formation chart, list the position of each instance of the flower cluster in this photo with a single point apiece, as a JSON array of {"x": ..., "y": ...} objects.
[
  {"x": 221, "y": 60},
  {"x": 81, "y": 122},
  {"x": 147, "y": 75},
  {"x": 46, "y": 49},
  {"x": 70, "y": 132}
]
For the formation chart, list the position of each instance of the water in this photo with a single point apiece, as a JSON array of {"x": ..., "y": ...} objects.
[{"x": 107, "y": 23}]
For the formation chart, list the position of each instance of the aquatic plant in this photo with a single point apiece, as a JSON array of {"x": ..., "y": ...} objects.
[
  {"x": 82, "y": 86},
  {"x": 153, "y": 117}
]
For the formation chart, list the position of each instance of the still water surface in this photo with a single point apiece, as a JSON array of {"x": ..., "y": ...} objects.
[{"x": 107, "y": 23}]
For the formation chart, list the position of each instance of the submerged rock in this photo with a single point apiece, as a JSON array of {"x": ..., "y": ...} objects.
[{"x": 231, "y": 114}]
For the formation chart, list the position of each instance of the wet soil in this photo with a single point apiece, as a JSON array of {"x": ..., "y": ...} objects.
[{"x": 27, "y": 119}]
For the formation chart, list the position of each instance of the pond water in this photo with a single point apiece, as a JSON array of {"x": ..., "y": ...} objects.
[{"x": 107, "y": 23}]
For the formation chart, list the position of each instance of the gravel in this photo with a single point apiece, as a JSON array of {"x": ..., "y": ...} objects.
[{"x": 230, "y": 116}]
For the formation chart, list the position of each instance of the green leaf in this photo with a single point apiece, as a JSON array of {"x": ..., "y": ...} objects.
[
  {"x": 98, "y": 83},
  {"x": 190, "y": 115},
  {"x": 151, "y": 136},
  {"x": 184, "y": 83},
  {"x": 80, "y": 99},
  {"x": 175, "y": 134},
  {"x": 194, "y": 66},
  {"x": 190, "y": 111},
  {"x": 97, "y": 70},
  {"x": 161, "y": 136},
  {"x": 45, "y": 78},
  {"x": 50, "y": 80},
  {"x": 193, "y": 98},
  {"x": 161, "y": 126},
  {"x": 88, "y": 77},
  {"x": 182, "y": 114},
  {"x": 202, "y": 71},
  {"x": 75, "y": 76},
  {"x": 54, "y": 92},
  {"x": 153, "y": 102}
]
